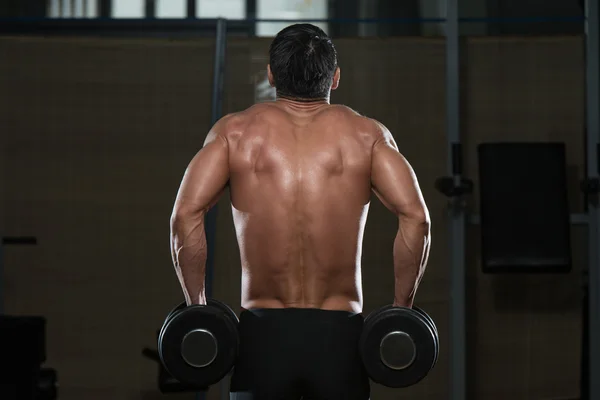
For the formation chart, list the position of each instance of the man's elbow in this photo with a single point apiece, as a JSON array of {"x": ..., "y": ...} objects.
[
  {"x": 418, "y": 215},
  {"x": 184, "y": 215}
]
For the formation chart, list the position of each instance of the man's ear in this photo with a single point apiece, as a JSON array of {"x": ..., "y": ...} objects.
[
  {"x": 336, "y": 79},
  {"x": 270, "y": 76}
]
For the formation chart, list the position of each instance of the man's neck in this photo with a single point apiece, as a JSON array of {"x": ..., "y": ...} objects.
[{"x": 300, "y": 102}]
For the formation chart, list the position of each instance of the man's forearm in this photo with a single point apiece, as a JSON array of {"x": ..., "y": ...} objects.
[
  {"x": 189, "y": 252},
  {"x": 411, "y": 250}
]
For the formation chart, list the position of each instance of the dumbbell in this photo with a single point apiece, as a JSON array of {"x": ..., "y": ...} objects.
[
  {"x": 198, "y": 344},
  {"x": 399, "y": 346}
]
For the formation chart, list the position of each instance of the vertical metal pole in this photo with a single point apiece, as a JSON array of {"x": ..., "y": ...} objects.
[
  {"x": 593, "y": 138},
  {"x": 457, "y": 213},
  {"x": 191, "y": 9},
  {"x": 251, "y": 14},
  {"x": 216, "y": 114},
  {"x": 105, "y": 8},
  {"x": 3, "y": 197},
  {"x": 150, "y": 9},
  {"x": 219, "y": 70},
  {"x": 1, "y": 276}
]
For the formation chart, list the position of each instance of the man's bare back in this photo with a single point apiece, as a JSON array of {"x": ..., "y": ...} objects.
[
  {"x": 300, "y": 189},
  {"x": 300, "y": 177}
]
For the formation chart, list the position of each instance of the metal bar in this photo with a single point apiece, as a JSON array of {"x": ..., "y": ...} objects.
[
  {"x": 349, "y": 20},
  {"x": 191, "y": 9},
  {"x": 457, "y": 213},
  {"x": 250, "y": 15},
  {"x": 219, "y": 70},
  {"x": 106, "y": 7},
  {"x": 137, "y": 27},
  {"x": 217, "y": 107},
  {"x": 575, "y": 219},
  {"x": 1, "y": 279},
  {"x": 150, "y": 8},
  {"x": 524, "y": 20},
  {"x": 216, "y": 114},
  {"x": 593, "y": 138},
  {"x": 184, "y": 27}
]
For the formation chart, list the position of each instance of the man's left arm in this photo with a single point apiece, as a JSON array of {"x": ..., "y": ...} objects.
[{"x": 203, "y": 183}]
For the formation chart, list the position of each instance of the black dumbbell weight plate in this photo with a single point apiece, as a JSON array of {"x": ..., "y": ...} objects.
[
  {"x": 224, "y": 308},
  {"x": 426, "y": 316},
  {"x": 233, "y": 337},
  {"x": 198, "y": 344},
  {"x": 210, "y": 302},
  {"x": 435, "y": 330},
  {"x": 170, "y": 315},
  {"x": 400, "y": 323}
]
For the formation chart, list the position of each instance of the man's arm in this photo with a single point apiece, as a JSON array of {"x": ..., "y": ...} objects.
[
  {"x": 395, "y": 184},
  {"x": 204, "y": 181}
]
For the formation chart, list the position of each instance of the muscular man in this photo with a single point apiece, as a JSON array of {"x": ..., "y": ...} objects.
[{"x": 301, "y": 172}]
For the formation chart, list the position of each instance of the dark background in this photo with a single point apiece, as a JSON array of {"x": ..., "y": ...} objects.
[{"x": 95, "y": 134}]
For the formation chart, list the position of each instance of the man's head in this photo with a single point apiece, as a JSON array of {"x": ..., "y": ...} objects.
[{"x": 303, "y": 63}]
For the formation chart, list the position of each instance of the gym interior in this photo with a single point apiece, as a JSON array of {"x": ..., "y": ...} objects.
[{"x": 495, "y": 104}]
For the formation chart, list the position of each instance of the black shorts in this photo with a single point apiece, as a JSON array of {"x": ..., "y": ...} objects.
[{"x": 297, "y": 353}]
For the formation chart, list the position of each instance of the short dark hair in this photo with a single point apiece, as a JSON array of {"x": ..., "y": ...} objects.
[{"x": 303, "y": 62}]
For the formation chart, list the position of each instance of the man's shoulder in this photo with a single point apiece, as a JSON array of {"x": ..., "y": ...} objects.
[
  {"x": 233, "y": 125},
  {"x": 368, "y": 129},
  {"x": 342, "y": 108},
  {"x": 366, "y": 126},
  {"x": 358, "y": 118},
  {"x": 233, "y": 121},
  {"x": 248, "y": 114}
]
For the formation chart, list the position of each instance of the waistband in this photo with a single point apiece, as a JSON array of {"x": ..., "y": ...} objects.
[{"x": 315, "y": 314}]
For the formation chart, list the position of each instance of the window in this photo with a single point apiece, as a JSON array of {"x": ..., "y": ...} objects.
[
  {"x": 128, "y": 9},
  {"x": 288, "y": 9},
  {"x": 171, "y": 8},
  {"x": 72, "y": 8},
  {"x": 231, "y": 9}
]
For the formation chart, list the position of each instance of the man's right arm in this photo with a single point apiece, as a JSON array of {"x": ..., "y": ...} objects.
[{"x": 395, "y": 184}]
